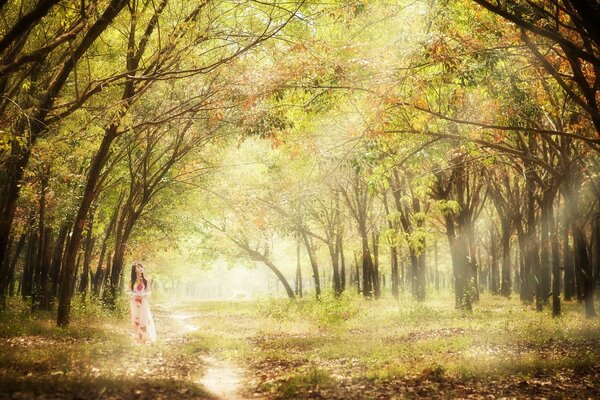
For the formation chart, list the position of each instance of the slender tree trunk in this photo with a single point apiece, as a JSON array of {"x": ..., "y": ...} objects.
[
  {"x": 402, "y": 275},
  {"x": 40, "y": 284},
  {"x": 485, "y": 272},
  {"x": 10, "y": 263},
  {"x": 518, "y": 262},
  {"x": 76, "y": 272},
  {"x": 15, "y": 170},
  {"x": 375, "y": 272},
  {"x": 357, "y": 277},
  {"x": 473, "y": 278},
  {"x": 458, "y": 251},
  {"x": 367, "y": 267},
  {"x": 298, "y": 270},
  {"x": 4, "y": 268},
  {"x": 87, "y": 259},
  {"x": 28, "y": 268},
  {"x": 36, "y": 281},
  {"x": 342, "y": 262},
  {"x": 313, "y": 263},
  {"x": 335, "y": 257},
  {"x": 494, "y": 262},
  {"x": 68, "y": 270},
  {"x": 542, "y": 276},
  {"x": 13, "y": 264},
  {"x": 106, "y": 274},
  {"x": 556, "y": 276},
  {"x": 414, "y": 268},
  {"x": 531, "y": 266},
  {"x": 57, "y": 257},
  {"x": 116, "y": 276},
  {"x": 436, "y": 274},
  {"x": 583, "y": 265},
  {"x": 113, "y": 283},
  {"x": 506, "y": 286},
  {"x": 595, "y": 249},
  {"x": 282, "y": 279},
  {"x": 394, "y": 263},
  {"x": 393, "y": 253},
  {"x": 101, "y": 270},
  {"x": 45, "y": 299},
  {"x": 422, "y": 276}
]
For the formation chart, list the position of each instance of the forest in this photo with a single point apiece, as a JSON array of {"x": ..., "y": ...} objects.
[{"x": 351, "y": 199}]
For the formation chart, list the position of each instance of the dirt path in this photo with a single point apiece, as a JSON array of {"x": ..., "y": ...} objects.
[
  {"x": 102, "y": 362},
  {"x": 221, "y": 378}
]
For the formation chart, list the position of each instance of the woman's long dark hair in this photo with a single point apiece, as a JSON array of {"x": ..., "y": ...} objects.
[{"x": 134, "y": 276}]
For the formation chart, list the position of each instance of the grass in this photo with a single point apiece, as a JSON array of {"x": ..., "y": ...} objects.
[
  {"x": 381, "y": 341},
  {"x": 94, "y": 357},
  {"x": 337, "y": 348}
]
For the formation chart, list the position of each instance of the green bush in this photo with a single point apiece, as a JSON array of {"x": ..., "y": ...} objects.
[{"x": 327, "y": 310}]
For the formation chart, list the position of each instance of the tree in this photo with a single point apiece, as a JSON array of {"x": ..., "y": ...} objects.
[{"x": 561, "y": 35}]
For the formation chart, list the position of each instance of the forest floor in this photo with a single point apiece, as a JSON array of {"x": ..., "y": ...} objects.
[{"x": 333, "y": 349}]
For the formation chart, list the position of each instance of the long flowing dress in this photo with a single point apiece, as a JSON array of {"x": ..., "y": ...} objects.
[{"x": 143, "y": 323}]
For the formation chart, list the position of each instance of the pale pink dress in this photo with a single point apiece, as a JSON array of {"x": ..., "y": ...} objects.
[{"x": 143, "y": 323}]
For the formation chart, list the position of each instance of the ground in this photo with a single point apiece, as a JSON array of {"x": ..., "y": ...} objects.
[{"x": 274, "y": 349}]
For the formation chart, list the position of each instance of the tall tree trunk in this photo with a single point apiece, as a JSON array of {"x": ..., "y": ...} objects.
[
  {"x": 45, "y": 299},
  {"x": 342, "y": 262},
  {"x": 582, "y": 264},
  {"x": 76, "y": 272},
  {"x": 422, "y": 276},
  {"x": 494, "y": 273},
  {"x": 68, "y": 270},
  {"x": 531, "y": 260},
  {"x": 298, "y": 285},
  {"x": 485, "y": 271},
  {"x": 10, "y": 283},
  {"x": 28, "y": 268},
  {"x": 335, "y": 258},
  {"x": 542, "y": 288},
  {"x": 506, "y": 285},
  {"x": 414, "y": 268},
  {"x": 87, "y": 259},
  {"x": 113, "y": 283},
  {"x": 375, "y": 280},
  {"x": 4, "y": 268},
  {"x": 10, "y": 264},
  {"x": 469, "y": 229},
  {"x": 357, "y": 277},
  {"x": 57, "y": 257},
  {"x": 367, "y": 267},
  {"x": 595, "y": 249},
  {"x": 518, "y": 262},
  {"x": 394, "y": 264},
  {"x": 402, "y": 282},
  {"x": 282, "y": 279},
  {"x": 106, "y": 274},
  {"x": 520, "y": 266},
  {"x": 459, "y": 252},
  {"x": 548, "y": 252},
  {"x": 393, "y": 252},
  {"x": 313, "y": 263},
  {"x": 436, "y": 273},
  {"x": 569, "y": 278},
  {"x": 101, "y": 269},
  {"x": 556, "y": 276},
  {"x": 41, "y": 269}
]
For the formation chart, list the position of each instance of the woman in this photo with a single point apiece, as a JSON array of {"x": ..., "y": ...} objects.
[{"x": 143, "y": 324}]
